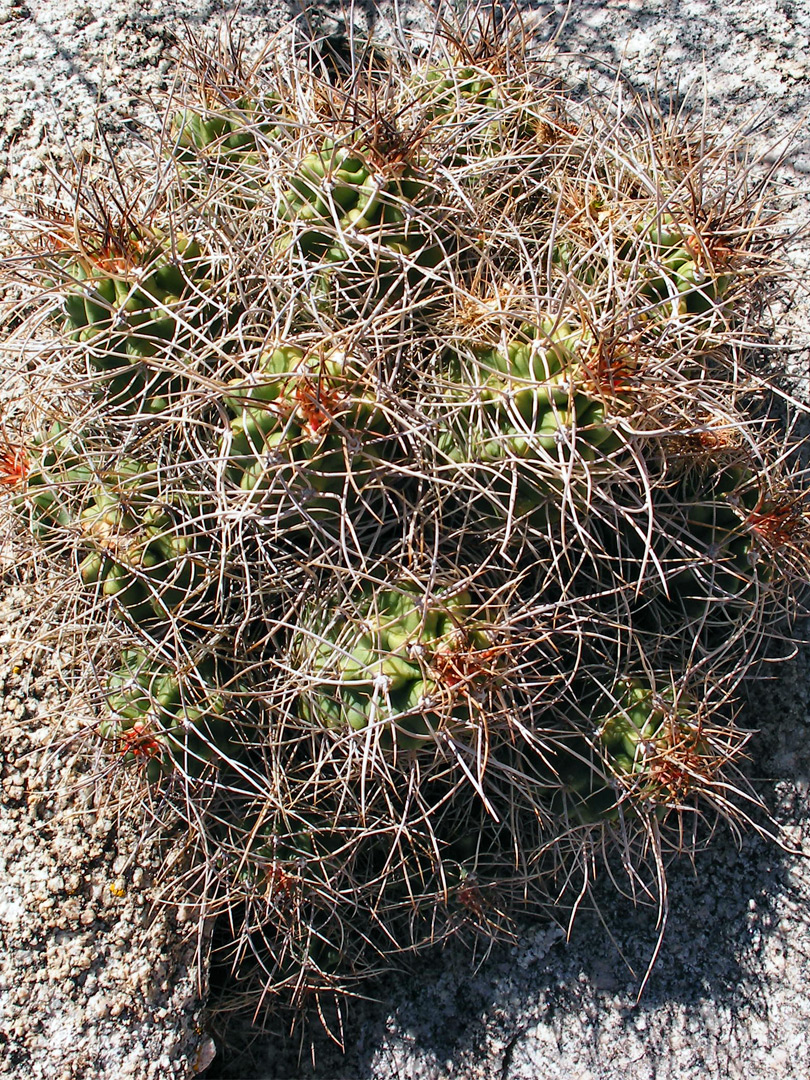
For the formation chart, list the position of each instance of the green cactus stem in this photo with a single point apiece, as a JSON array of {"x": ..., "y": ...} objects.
[
  {"x": 49, "y": 479},
  {"x": 473, "y": 115},
  {"x": 309, "y": 440},
  {"x": 451, "y": 90},
  {"x": 662, "y": 254},
  {"x": 520, "y": 425},
  {"x": 133, "y": 298},
  {"x": 676, "y": 266},
  {"x": 373, "y": 226},
  {"x": 647, "y": 750},
  {"x": 224, "y": 145},
  {"x": 139, "y": 554},
  {"x": 164, "y": 722},
  {"x": 129, "y": 291},
  {"x": 409, "y": 664},
  {"x": 339, "y": 184}
]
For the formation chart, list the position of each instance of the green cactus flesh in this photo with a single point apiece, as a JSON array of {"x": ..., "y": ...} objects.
[
  {"x": 139, "y": 555},
  {"x": 225, "y": 144},
  {"x": 678, "y": 276},
  {"x": 360, "y": 222},
  {"x": 664, "y": 256},
  {"x": 522, "y": 419},
  {"x": 711, "y": 545},
  {"x": 54, "y": 474},
  {"x": 645, "y": 750},
  {"x": 159, "y": 721},
  {"x": 308, "y": 440},
  {"x": 674, "y": 266},
  {"x": 132, "y": 293},
  {"x": 448, "y": 90},
  {"x": 474, "y": 115},
  {"x": 409, "y": 663},
  {"x": 133, "y": 302}
]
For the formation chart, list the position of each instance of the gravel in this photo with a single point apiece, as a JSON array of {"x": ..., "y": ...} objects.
[{"x": 96, "y": 980}]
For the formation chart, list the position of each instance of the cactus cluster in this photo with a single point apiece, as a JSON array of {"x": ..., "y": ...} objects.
[{"x": 402, "y": 454}]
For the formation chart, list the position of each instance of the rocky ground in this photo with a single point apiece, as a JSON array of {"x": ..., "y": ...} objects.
[{"x": 95, "y": 980}]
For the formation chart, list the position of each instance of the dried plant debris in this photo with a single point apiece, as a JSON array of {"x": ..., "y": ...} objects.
[{"x": 417, "y": 506}]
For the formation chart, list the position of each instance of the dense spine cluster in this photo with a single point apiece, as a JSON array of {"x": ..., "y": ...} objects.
[{"x": 400, "y": 444}]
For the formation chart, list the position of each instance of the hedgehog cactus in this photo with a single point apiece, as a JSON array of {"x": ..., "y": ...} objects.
[
  {"x": 675, "y": 266},
  {"x": 449, "y": 89},
  {"x": 716, "y": 556},
  {"x": 528, "y": 422},
  {"x": 49, "y": 478},
  {"x": 132, "y": 297},
  {"x": 679, "y": 266},
  {"x": 474, "y": 115},
  {"x": 337, "y": 196},
  {"x": 647, "y": 750},
  {"x": 164, "y": 722},
  {"x": 230, "y": 137},
  {"x": 404, "y": 663},
  {"x": 652, "y": 741},
  {"x": 221, "y": 148},
  {"x": 309, "y": 440},
  {"x": 129, "y": 289},
  {"x": 370, "y": 218},
  {"x": 139, "y": 553},
  {"x": 282, "y": 853}
]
